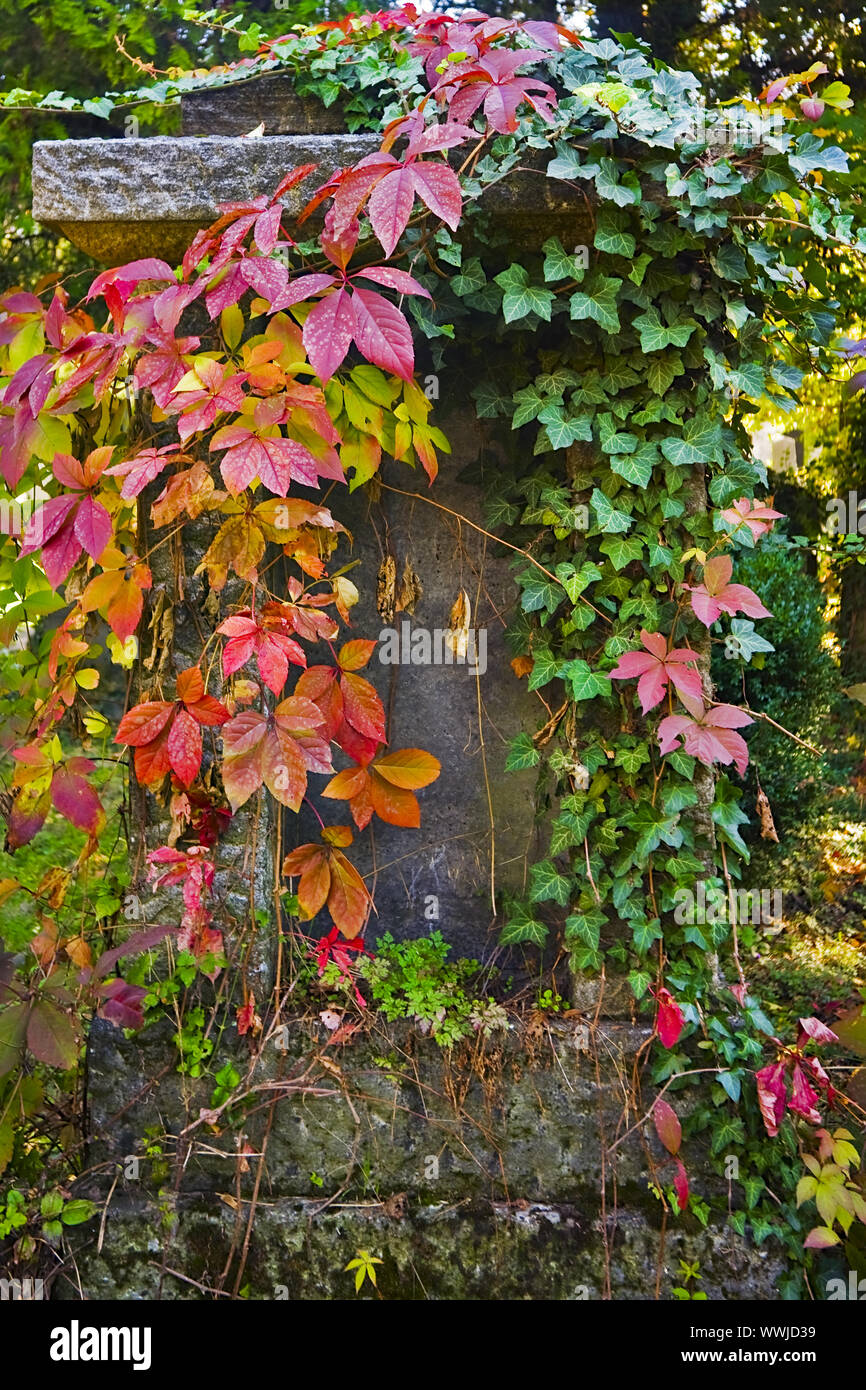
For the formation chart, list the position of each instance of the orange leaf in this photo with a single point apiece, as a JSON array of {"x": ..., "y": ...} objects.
[
  {"x": 144, "y": 723},
  {"x": 353, "y": 655},
  {"x": 408, "y": 767},
  {"x": 362, "y": 707},
  {"x": 190, "y": 685},
  {"x": 299, "y": 859},
  {"x": 340, "y": 835},
  {"x": 314, "y": 886},
  {"x": 349, "y": 901},
  {"x": 393, "y": 804}
]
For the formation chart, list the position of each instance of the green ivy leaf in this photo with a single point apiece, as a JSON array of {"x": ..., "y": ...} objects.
[{"x": 520, "y": 298}]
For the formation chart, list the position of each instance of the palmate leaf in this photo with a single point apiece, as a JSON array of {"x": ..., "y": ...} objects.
[
  {"x": 558, "y": 264},
  {"x": 610, "y": 236},
  {"x": 522, "y": 928},
  {"x": 584, "y": 683},
  {"x": 597, "y": 301},
  {"x": 522, "y": 754},
  {"x": 622, "y": 550},
  {"x": 700, "y": 441},
  {"x": 655, "y": 335},
  {"x": 520, "y": 298},
  {"x": 546, "y": 884}
]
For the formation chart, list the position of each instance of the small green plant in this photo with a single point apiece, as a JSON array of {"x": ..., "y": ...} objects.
[
  {"x": 364, "y": 1265},
  {"x": 550, "y": 1002},
  {"x": 413, "y": 979},
  {"x": 226, "y": 1079},
  {"x": 687, "y": 1274}
]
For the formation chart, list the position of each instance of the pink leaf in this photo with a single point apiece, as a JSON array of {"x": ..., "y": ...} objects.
[
  {"x": 382, "y": 334},
  {"x": 772, "y": 1096},
  {"x": 390, "y": 206},
  {"x": 328, "y": 333},
  {"x": 92, "y": 527},
  {"x": 668, "y": 1127},
  {"x": 681, "y": 1186}
]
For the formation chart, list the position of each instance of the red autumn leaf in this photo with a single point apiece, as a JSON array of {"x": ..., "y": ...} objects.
[
  {"x": 772, "y": 1096},
  {"x": 710, "y": 736},
  {"x": 267, "y": 638},
  {"x": 52, "y": 1036},
  {"x": 121, "y": 1003},
  {"x": 260, "y": 450},
  {"x": 668, "y": 1127},
  {"x": 656, "y": 666},
  {"x": 348, "y": 312},
  {"x": 816, "y": 1030},
  {"x": 382, "y": 333},
  {"x": 391, "y": 185},
  {"x": 75, "y": 521},
  {"x": 494, "y": 82},
  {"x": 165, "y": 733},
  {"x": 716, "y": 595},
  {"x": 209, "y": 389},
  {"x": 159, "y": 372},
  {"x": 277, "y": 750},
  {"x": 670, "y": 1020},
  {"x": 75, "y": 798},
  {"x": 681, "y": 1186},
  {"x": 137, "y": 472}
]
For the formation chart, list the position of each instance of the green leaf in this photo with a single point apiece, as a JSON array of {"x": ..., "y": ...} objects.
[
  {"x": 558, "y": 264},
  {"x": 520, "y": 298},
  {"x": 598, "y": 302},
  {"x": 584, "y": 682},
  {"x": 471, "y": 278},
  {"x": 656, "y": 335},
  {"x": 585, "y": 927},
  {"x": 545, "y": 667},
  {"x": 622, "y": 550},
  {"x": 522, "y": 753},
  {"x": 77, "y": 1211},
  {"x": 743, "y": 641},
  {"x": 547, "y": 884},
  {"x": 610, "y": 236},
  {"x": 522, "y": 927},
  {"x": 634, "y": 469},
  {"x": 609, "y": 518},
  {"x": 614, "y": 189},
  {"x": 731, "y": 1083},
  {"x": 644, "y": 934},
  {"x": 699, "y": 442}
]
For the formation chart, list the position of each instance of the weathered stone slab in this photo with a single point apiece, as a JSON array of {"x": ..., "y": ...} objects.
[
  {"x": 270, "y": 100},
  {"x": 471, "y": 1178},
  {"x": 122, "y": 199}
]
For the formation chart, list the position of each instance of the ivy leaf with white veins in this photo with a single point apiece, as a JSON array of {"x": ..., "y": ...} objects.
[
  {"x": 655, "y": 335},
  {"x": 522, "y": 928},
  {"x": 700, "y": 440},
  {"x": 622, "y": 550},
  {"x": 743, "y": 641},
  {"x": 609, "y": 517},
  {"x": 584, "y": 682},
  {"x": 558, "y": 264},
  {"x": 520, "y": 298},
  {"x": 548, "y": 885},
  {"x": 611, "y": 237},
  {"x": 598, "y": 302}
]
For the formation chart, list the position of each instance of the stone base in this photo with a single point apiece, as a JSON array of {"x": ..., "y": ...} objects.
[{"x": 473, "y": 1177}]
